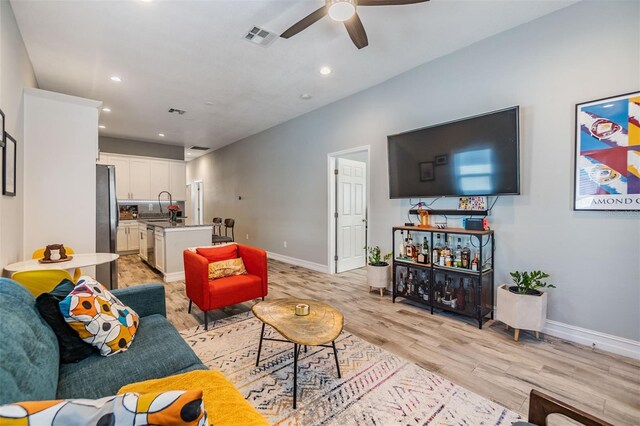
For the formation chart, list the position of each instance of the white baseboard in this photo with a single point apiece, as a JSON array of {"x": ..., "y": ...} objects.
[
  {"x": 174, "y": 276},
  {"x": 606, "y": 342},
  {"x": 298, "y": 262}
]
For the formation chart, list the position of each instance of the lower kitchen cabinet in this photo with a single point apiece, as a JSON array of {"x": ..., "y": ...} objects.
[{"x": 127, "y": 237}]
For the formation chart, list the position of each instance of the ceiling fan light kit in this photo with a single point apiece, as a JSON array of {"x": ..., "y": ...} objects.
[
  {"x": 344, "y": 11},
  {"x": 341, "y": 10}
]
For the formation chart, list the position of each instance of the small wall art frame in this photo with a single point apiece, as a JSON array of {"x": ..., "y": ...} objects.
[
  {"x": 9, "y": 165},
  {"x": 607, "y": 154},
  {"x": 1, "y": 129}
]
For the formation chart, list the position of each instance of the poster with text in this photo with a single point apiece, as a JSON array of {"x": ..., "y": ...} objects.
[{"x": 607, "y": 164}]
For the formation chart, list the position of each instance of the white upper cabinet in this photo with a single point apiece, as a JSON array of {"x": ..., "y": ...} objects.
[
  {"x": 141, "y": 178},
  {"x": 159, "y": 172},
  {"x": 178, "y": 180},
  {"x": 122, "y": 177}
]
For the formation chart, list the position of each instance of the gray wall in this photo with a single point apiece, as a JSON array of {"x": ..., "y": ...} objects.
[
  {"x": 145, "y": 149},
  {"x": 546, "y": 67}
]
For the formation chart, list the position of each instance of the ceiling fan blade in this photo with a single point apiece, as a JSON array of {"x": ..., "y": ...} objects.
[
  {"x": 356, "y": 31},
  {"x": 305, "y": 22},
  {"x": 388, "y": 2}
]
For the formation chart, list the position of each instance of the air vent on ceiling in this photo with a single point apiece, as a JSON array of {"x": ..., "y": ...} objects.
[
  {"x": 199, "y": 148},
  {"x": 177, "y": 111},
  {"x": 259, "y": 36}
]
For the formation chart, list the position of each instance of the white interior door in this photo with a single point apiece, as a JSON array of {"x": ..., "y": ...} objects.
[
  {"x": 351, "y": 208},
  {"x": 196, "y": 202}
]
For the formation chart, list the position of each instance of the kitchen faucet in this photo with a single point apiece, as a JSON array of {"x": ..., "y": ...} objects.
[{"x": 170, "y": 199}]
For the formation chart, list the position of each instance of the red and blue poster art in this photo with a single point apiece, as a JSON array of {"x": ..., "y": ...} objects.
[{"x": 608, "y": 154}]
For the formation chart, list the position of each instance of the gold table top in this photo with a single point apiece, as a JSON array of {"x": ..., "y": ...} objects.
[{"x": 323, "y": 324}]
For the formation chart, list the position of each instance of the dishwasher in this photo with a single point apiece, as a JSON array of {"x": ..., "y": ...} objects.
[{"x": 151, "y": 249}]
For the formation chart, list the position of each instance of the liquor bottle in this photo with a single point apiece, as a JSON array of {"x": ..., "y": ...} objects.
[
  {"x": 410, "y": 248},
  {"x": 410, "y": 283},
  {"x": 466, "y": 255},
  {"x": 448, "y": 260},
  {"x": 401, "y": 283},
  {"x": 425, "y": 249},
  {"x": 435, "y": 255},
  {"x": 403, "y": 246},
  {"x": 458, "y": 254},
  {"x": 444, "y": 253},
  {"x": 475, "y": 263}
]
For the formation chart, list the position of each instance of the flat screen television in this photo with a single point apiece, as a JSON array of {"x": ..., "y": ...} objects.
[{"x": 469, "y": 157}]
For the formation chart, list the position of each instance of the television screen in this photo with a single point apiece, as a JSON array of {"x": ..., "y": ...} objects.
[{"x": 472, "y": 156}]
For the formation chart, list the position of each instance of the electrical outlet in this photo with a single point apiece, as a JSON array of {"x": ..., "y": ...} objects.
[
  {"x": 150, "y": 206},
  {"x": 285, "y": 244},
  {"x": 247, "y": 236}
]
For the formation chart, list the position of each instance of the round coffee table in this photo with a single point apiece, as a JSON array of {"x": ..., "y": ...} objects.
[{"x": 320, "y": 328}]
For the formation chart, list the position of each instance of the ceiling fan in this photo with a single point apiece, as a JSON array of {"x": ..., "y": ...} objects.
[{"x": 344, "y": 11}]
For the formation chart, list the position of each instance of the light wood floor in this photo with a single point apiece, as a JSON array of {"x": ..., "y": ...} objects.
[{"x": 485, "y": 361}]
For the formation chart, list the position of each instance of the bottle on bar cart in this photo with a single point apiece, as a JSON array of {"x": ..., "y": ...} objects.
[
  {"x": 445, "y": 255},
  {"x": 466, "y": 255},
  {"x": 425, "y": 250},
  {"x": 403, "y": 246},
  {"x": 410, "y": 252},
  {"x": 435, "y": 254},
  {"x": 458, "y": 254},
  {"x": 475, "y": 263}
]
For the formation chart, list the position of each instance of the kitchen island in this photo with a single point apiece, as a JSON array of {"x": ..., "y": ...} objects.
[{"x": 162, "y": 244}]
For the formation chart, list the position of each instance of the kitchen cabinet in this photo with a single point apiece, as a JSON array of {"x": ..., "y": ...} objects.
[
  {"x": 142, "y": 178},
  {"x": 178, "y": 180},
  {"x": 159, "y": 177},
  {"x": 142, "y": 232},
  {"x": 159, "y": 249},
  {"x": 127, "y": 238}
]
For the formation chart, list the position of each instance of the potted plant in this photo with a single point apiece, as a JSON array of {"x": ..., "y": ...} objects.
[
  {"x": 377, "y": 269},
  {"x": 523, "y": 306}
]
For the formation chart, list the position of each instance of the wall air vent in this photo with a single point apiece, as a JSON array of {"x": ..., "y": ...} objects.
[
  {"x": 259, "y": 36},
  {"x": 177, "y": 111},
  {"x": 199, "y": 148}
]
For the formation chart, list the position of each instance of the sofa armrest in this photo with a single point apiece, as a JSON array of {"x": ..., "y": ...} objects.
[
  {"x": 255, "y": 260},
  {"x": 196, "y": 278},
  {"x": 145, "y": 299}
]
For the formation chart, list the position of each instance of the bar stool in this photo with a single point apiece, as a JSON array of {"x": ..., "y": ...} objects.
[{"x": 217, "y": 237}]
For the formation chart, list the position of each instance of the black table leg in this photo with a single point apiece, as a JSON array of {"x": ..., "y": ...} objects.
[
  {"x": 260, "y": 345},
  {"x": 335, "y": 353},
  {"x": 295, "y": 373}
]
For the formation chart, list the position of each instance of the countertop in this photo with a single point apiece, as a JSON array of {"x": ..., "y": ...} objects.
[{"x": 180, "y": 224}]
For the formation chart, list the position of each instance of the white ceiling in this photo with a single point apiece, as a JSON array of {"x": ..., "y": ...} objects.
[{"x": 184, "y": 54}]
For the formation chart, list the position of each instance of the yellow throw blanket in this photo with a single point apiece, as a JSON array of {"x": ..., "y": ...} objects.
[{"x": 224, "y": 404}]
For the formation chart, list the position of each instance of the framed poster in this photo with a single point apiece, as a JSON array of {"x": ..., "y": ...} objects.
[
  {"x": 1, "y": 129},
  {"x": 607, "y": 155},
  {"x": 9, "y": 166}
]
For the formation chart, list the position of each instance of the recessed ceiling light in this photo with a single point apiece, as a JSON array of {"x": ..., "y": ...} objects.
[
  {"x": 116, "y": 78},
  {"x": 325, "y": 70},
  {"x": 188, "y": 153},
  {"x": 305, "y": 96},
  {"x": 161, "y": 135},
  {"x": 106, "y": 109},
  {"x": 102, "y": 126}
]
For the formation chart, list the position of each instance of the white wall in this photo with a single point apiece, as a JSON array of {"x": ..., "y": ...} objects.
[
  {"x": 16, "y": 73},
  {"x": 546, "y": 67},
  {"x": 61, "y": 146}
]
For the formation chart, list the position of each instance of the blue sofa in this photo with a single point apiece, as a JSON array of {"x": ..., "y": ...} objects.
[{"x": 30, "y": 366}]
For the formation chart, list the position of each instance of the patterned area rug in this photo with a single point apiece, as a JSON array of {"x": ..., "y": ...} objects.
[{"x": 377, "y": 387}]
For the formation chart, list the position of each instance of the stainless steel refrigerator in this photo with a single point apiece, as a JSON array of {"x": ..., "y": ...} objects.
[{"x": 107, "y": 217}]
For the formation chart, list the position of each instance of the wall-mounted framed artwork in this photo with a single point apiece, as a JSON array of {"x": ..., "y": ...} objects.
[
  {"x": 1, "y": 129},
  {"x": 607, "y": 154},
  {"x": 9, "y": 166},
  {"x": 427, "y": 172}
]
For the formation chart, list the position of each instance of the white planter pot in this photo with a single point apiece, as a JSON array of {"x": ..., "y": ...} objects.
[
  {"x": 521, "y": 311},
  {"x": 378, "y": 276}
]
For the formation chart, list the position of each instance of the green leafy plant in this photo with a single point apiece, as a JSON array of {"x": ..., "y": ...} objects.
[
  {"x": 530, "y": 282},
  {"x": 375, "y": 256}
]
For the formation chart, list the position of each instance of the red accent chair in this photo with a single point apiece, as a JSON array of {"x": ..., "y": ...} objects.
[{"x": 216, "y": 294}]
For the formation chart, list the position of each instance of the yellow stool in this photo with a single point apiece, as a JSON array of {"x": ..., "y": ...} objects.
[
  {"x": 41, "y": 281},
  {"x": 39, "y": 254}
]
